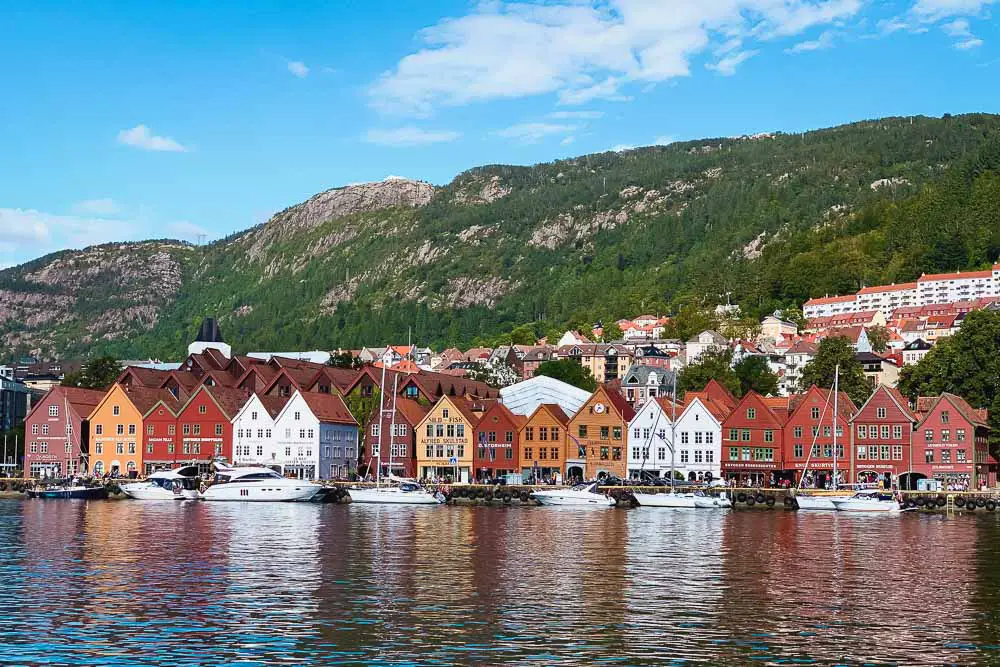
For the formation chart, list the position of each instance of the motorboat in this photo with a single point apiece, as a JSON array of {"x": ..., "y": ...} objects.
[
  {"x": 804, "y": 502},
  {"x": 404, "y": 493},
  {"x": 673, "y": 500},
  {"x": 579, "y": 495},
  {"x": 71, "y": 489},
  {"x": 868, "y": 501},
  {"x": 253, "y": 484},
  {"x": 709, "y": 502},
  {"x": 178, "y": 484}
]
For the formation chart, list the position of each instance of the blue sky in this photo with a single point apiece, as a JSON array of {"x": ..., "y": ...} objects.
[{"x": 150, "y": 120}]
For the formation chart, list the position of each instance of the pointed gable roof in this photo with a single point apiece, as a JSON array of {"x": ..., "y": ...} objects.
[
  {"x": 927, "y": 404},
  {"x": 553, "y": 410},
  {"x": 341, "y": 379},
  {"x": 412, "y": 411},
  {"x": 846, "y": 408},
  {"x": 146, "y": 398},
  {"x": 328, "y": 408},
  {"x": 498, "y": 407},
  {"x": 766, "y": 410},
  {"x": 81, "y": 401},
  {"x": 229, "y": 400},
  {"x": 142, "y": 377},
  {"x": 895, "y": 396}
]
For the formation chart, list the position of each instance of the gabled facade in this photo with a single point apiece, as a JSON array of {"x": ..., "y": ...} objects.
[
  {"x": 445, "y": 440},
  {"x": 254, "y": 441},
  {"x": 649, "y": 438},
  {"x": 316, "y": 437},
  {"x": 811, "y": 418},
  {"x": 952, "y": 443},
  {"x": 598, "y": 430},
  {"x": 57, "y": 432},
  {"x": 496, "y": 451},
  {"x": 393, "y": 442},
  {"x": 205, "y": 424},
  {"x": 542, "y": 452},
  {"x": 882, "y": 432},
  {"x": 116, "y": 435},
  {"x": 752, "y": 442},
  {"x": 642, "y": 382}
]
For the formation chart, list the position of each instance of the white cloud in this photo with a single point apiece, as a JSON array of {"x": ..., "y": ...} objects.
[
  {"x": 727, "y": 66},
  {"x": 567, "y": 140},
  {"x": 576, "y": 115},
  {"x": 186, "y": 231},
  {"x": 960, "y": 30},
  {"x": 932, "y": 11},
  {"x": 621, "y": 148},
  {"x": 409, "y": 136},
  {"x": 582, "y": 50},
  {"x": 105, "y": 206},
  {"x": 141, "y": 137},
  {"x": 28, "y": 233},
  {"x": 530, "y": 133},
  {"x": 298, "y": 68},
  {"x": 824, "y": 41}
]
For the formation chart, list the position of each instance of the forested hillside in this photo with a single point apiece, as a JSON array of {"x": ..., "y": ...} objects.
[{"x": 769, "y": 220}]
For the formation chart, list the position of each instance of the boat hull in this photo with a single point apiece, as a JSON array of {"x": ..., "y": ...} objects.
[
  {"x": 869, "y": 506},
  {"x": 713, "y": 503},
  {"x": 145, "y": 491},
  {"x": 671, "y": 500},
  {"x": 266, "y": 492},
  {"x": 392, "y": 496},
  {"x": 811, "y": 503},
  {"x": 551, "y": 499},
  {"x": 81, "y": 493}
]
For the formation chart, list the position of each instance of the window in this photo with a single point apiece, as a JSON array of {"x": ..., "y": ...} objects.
[
  {"x": 543, "y": 433},
  {"x": 461, "y": 430},
  {"x": 605, "y": 432},
  {"x": 709, "y": 438},
  {"x": 751, "y": 413},
  {"x": 605, "y": 453},
  {"x": 253, "y": 415},
  {"x": 698, "y": 438},
  {"x": 827, "y": 451},
  {"x": 444, "y": 413},
  {"x": 826, "y": 431},
  {"x": 218, "y": 430},
  {"x": 34, "y": 429},
  {"x": 960, "y": 434},
  {"x": 186, "y": 429},
  {"x": 582, "y": 430},
  {"x": 45, "y": 429},
  {"x": 439, "y": 430},
  {"x": 510, "y": 435},
  {"x": 635, "y": 433},
  {"x": 170, "y": 448},
  {"x": 131, "y": 448},
  {"x": 288, "y": 452},
  {"x": 119, "y": 429},
  {"x": 461, "y": 451},
  {"x": 131, "y": 429},
  {"x": 439, "y": 451},
  {"x": 945, "y": 417},
  {"x": 897, "y": 432},
  {"x": 815, "y": 431},
  {"x": 115, "y": 410},
  {"x": 769, "y": 436},
  {"x": 885, "y": 431},
  {"x": 297, "y": 416},
  {"x": 814, "y": 413},
  {"x": 616, "y": 453},
  {"x": 884, "y": 452},
  {"x": 897, "y": 452},
  {"x": 734, "y": 453},
  {"x": 507, "y": 454},
  {"x": 862, "y": 431},
  {"x": 684, "y": 456},
  {"x": 798, "y": 450},
  {"x": 202, "y": 409},
  {"x": 429, "y": 453},
  {"x": 543, "y": 453},
  {"x": 960, "y": 456},
  {"x": 171, "y": 429},
  {"x": 945, "y": 435},
  {"x": 945, "y": 456},
  {"x": 635, "y": 453},
  {"x": 746, "y": 435},
  {"x": 528, "y": 453},
  {"x": 928, "y": 435},
  {"x": 450, "y": 428},
  {"x": 302, "y": 434},
  {"x": 310, "y": 434},
  {"x": 581, "y": 451},
  {"x": 554, "y": 453},
  {"x": 698, "y": 456},
  {"x": 797, "y": 431},
  {"x": 616, "y": 432},
  {"x": 98, "y": 448},
  {"x": 197, "y": 429},
  {"x": 880, "y": 413},
  {"x": 53, "y": 411},
  {"x": 529, "y": 433},
  {"x": 119, "y": 447},
  {"x": 709, "y": 456}
]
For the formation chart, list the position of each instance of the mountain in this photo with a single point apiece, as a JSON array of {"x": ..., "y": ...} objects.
[{"x": 768, "y": 220}]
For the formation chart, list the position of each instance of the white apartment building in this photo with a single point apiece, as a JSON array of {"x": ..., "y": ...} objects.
[
  {"x": 951, "y": 287},
  {"x": 887, "y": 298},
  {"x": 698, "y": 445},
  {"x": 826, "y": 306}
]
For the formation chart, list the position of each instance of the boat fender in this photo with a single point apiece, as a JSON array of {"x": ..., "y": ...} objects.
[
  {"x": 960, "y": 502},
  {"x": 941, "y": 501},
  {"x": 788, "y": 502},
  {"x": 506, "y": 497},
  {"x": 991, "y": 505},
  {"x": 524, "y": 496},
  {"x": 971, "y": 505},
  {"x": 770, "y": 501},
  {"x": 980, "y": 502},
  {"x": 741, "y": 497},
  {"x": 760, "y": 498},
  {"x": 920, "y": 502},
  {"x": 751, "y": 501}
]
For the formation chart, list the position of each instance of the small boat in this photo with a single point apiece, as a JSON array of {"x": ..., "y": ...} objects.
[
  {"x": 579, "y": 495},
  {"x": 804, "y": 502},
  {"x": 253, "y": 484},
  {"x": 178, "y": 484},
  {"x": 405, "y": 493},
  {"x": 708, "y": 502},
  {"x": 868, "y": 501},
  {"x": 673, "y": 500},
  {"x": 72, "y": 489}
]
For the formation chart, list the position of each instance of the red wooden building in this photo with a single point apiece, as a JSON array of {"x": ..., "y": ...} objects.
[
  {"x": 159, "y": 408},
  {"x": 951, "y": 443},
  {"x": 881, "y": 437},
  {"x": 752, "y": 441},
  {"x": 381, "y": 442},
  {"x": 56, "y": 432},
  {"x": 497, "y": 451},
  {"x": 810, "y": 426},
  {"x": 205, "y": 423}
]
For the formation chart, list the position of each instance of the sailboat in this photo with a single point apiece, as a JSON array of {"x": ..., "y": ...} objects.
[
  {"x": 697, "y": 500},
  {"x": 399, "y": 491}
]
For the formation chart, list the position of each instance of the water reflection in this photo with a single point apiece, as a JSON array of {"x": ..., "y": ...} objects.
[{"x": 213, "y": 584}]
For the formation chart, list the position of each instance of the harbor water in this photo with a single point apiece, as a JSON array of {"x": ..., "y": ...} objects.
[{"x": 189, "y": 583}]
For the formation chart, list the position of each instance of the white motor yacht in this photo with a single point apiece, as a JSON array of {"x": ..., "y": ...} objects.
[
  {"x": 178, "y": 484},
  {"x": 804, "y": 502},
  {"x": 673, "y": 500},
  {"x": 579, "y": 495},
  {"x": 252, "y": 484},
  {"x": 709, "y": 502},
  {"x": 405, "y": 493},
  {"x": 868, "y": 501}
]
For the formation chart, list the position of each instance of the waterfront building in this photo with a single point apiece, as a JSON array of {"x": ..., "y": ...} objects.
[
  {"x": 385, "y": 442},
  {"x": 810, "y": 426},
  {"x": 951, "y": 443},
  {"x": 882, "y": 430},
  {"x": 57, "y": 432},
  {"x": 649, "y": 446},
  {"x": 205, "y": 424},
  {"x": 254, "y": 441},
  {"x": 543, "y": 451},
  {"x": 752, "y": 440},
  {"x": 317, "y": 437},
  {"x": 497, "y": 445},
  {"x": 445, "y": 438},
  {"x": 598, "y": 430},
  {"x": 160, "y": 448},
  {"x": 116, "y": 428}
]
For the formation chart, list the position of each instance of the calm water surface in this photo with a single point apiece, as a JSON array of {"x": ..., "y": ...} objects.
[{"x": 129, "y": 583}]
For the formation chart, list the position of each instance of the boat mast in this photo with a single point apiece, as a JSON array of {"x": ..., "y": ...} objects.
[
  {"x": 673, "y": 430},
  {"x": 381, "y": 412},
  {"x": 69, "y": 431},
  {"x": 836, "y": 401},
  {"x": 392, "y": 430}
]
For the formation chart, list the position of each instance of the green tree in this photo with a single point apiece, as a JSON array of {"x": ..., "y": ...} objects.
[
  {"x": 612, "y": 332},
  {"x": 755, "y": 375},
  {"x": 344, "y": 360},
  {"x": 689, "y": 321},
  {"x": 833, "y": 352},
  {"x": 523, "y": 335},
  {"x": 99, "y": 373},
  {"x": 710, "y": 365},
  {"x": 568, "y": 371},
  {"x": 878, "y": 336}
]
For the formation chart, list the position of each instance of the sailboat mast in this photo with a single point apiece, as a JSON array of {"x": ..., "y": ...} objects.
[
  {"x": 673, "y": 430},
  {"x": 836, "y": 401},
  {"x": 392, "y": 430},
  {"x": 381, "y": 409}
]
